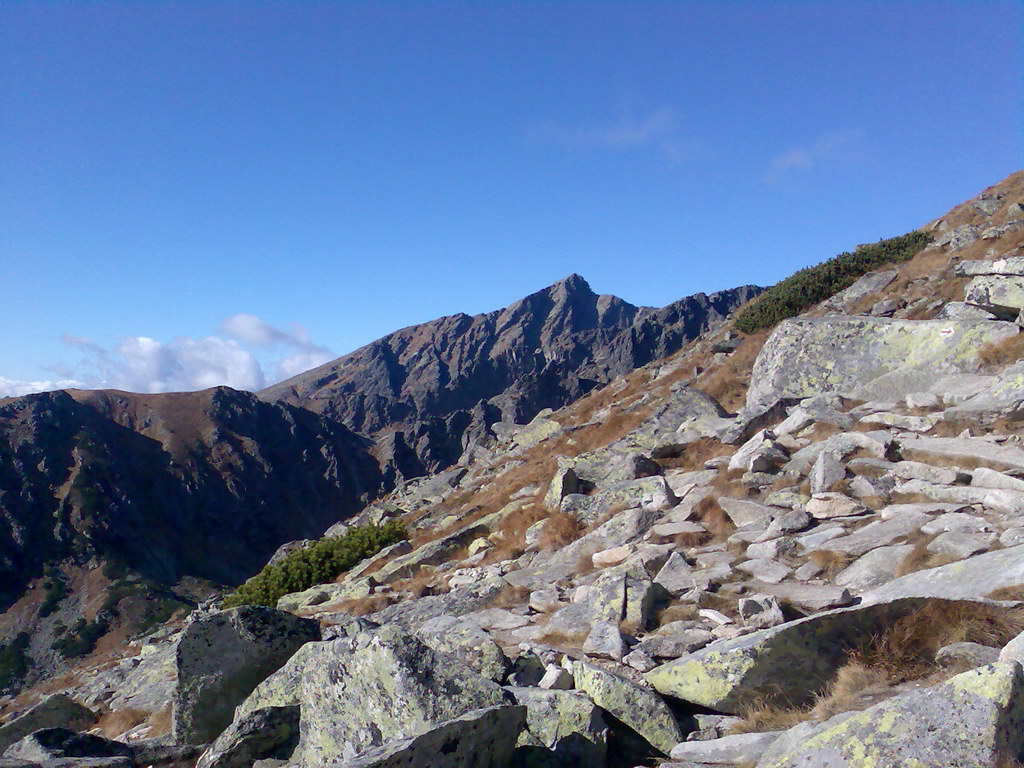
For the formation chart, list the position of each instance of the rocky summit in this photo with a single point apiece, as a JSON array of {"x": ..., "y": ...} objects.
[{"x": 787, "y": 534}]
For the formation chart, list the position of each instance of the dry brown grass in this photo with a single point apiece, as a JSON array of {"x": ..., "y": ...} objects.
[
  {"x": 689, "y": 540},
  {"x": 695, "y": 454},
  {"x": 920, "y": 559},
  {"x": 160, "y": 722},
  {"x": 999, "y": 354},
  {"x": 845, "y": 692},
  {"x": 766, "y": 716},
  {"x": 1014, "y": 592},
  {"x": 1009, "y": 761},
  {"x": 831, "y": 562},
  {"x": 560, "y": 529},
  {"x": 555, "y": 639},
  {"x": 864, "y": 304},
  {"x": 509, "y": 597},
  {"x": 675, "y": 612},
  {"x": 727, "y": 382},
  {"x": 906, "y": 649},
  {"x": 714, "y": 519},
  {"x": 113, "y": 724}
]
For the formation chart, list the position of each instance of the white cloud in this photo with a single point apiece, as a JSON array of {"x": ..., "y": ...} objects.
[
  {"x": 253, "y": 355},
  {"x": 825, "y": 148},
  {"x": 142, "y": 364},
  {"x": 658, "y": 129},
  {"x": 16, "y": 388}
]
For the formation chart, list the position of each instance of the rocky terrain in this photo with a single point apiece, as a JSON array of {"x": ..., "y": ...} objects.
[
  {"x": 105, "y": 494},
  {"x": 802, "y": 547}
]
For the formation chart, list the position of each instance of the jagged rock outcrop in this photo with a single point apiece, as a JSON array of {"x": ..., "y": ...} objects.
[
  {"x": 223, "y": 657},
  {"x": 427, "y": 390}
]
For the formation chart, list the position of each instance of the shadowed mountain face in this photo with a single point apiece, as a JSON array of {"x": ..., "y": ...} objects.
[
  {"x": 201, "y": 483},
  {"x": 425, "y": 392}
]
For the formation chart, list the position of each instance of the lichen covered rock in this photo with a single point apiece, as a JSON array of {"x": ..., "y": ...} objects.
[{"x": 970, "y": 721}]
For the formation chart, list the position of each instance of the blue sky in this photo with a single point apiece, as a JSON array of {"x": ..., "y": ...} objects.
[{"x": 226, "y": 192}]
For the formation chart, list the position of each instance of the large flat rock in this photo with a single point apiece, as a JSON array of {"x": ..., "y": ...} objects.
[
  {"x": 968, "y": 579},
  {"x": 840, "y": 354}
]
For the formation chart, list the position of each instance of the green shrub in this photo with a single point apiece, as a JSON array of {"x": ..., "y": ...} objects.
[
  {"x": 321, "y": 563},
  {"x": 56, "y": 590},
  {"x": 81, "y": 638},
  {"x": 13, "y": 661},
  {"x": 807, "y": 287}
]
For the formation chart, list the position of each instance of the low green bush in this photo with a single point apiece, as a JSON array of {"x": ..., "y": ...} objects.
[
  {"x": 56, "y": 587},
  {"x": 13, "y": 661},
  {"x": 320, "y": 563},
  {"x": 81, "y": 638},
  {"x": 807, "y": 287}
]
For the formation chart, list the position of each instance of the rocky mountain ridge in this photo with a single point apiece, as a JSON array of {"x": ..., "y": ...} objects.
[
  {"x": 429, "y": 392},
  {"x": 801, "y": 548}
]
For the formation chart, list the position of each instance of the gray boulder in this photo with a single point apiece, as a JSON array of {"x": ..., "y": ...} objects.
[
  {"x": 381, "y": 687},
  {"x": 49, "y": 743},
  {"x": 968, "y": 579},
  {"x": 791, "y": 661},
  {"x": 272, "y": 732},
  {"x": 807, "y": 356},
  {"x": 1002, "y": 295},
  {"x": 563, "y": 729},
  {"x": 971, "y": 721},
  {"x": 56, "y": 711},
  {"x": 483, "y": 738},
  {"x": 640, "y": 709},
  {"x": 221, "y": 658},
  {"x": 467, "y": 642}
]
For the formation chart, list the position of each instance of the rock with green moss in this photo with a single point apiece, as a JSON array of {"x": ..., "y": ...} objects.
[
  {"x": 565, "y": 729},
  {"x": 872, "y": 357},
  {"x": 483, "y": 738},
  {"x": 789, "y": 662},
  {"x": 221, "y": 658},
  {"x": 972, "y": 720},
  {"x": 640, "y": 709},
  {"x": 467, "y": 642},
  {"x": 358, "y": 694}
]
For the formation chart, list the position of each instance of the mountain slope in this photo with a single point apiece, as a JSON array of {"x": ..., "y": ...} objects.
[
  {"x": 202, "y": 483},
  {"x": 427, "y": 391}
]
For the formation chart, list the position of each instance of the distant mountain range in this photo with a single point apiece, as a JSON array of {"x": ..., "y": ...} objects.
[{"x": 209, "y": 483}]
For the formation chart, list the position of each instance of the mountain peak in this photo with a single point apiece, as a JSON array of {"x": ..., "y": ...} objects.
[{"x": 574, "y": 283}]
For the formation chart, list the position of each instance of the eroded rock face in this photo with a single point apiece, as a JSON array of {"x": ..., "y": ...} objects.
[
  {"x": 871, "y": 357},
  {"x": 970, "y": 721},
  {"x": 385, "y": 686},
  {"x": 221, "y": 658}
]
